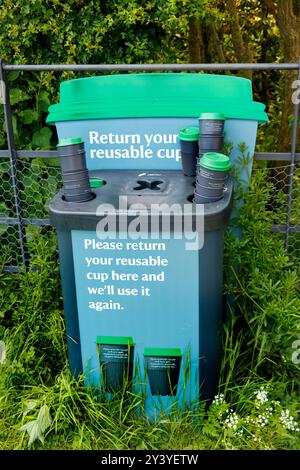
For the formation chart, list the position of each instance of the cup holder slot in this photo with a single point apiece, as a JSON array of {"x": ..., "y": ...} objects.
[{"x": 153, "y": 185}]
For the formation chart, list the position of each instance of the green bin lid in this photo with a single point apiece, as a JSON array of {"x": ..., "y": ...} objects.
[
  {"x": 74, "y": 140},
  {"x": 215, "y": 161},
  {"x": 162, "y": 352},
  {"x": 122, "y": 340},
  {"x": 156, "y": 95},
  {"x": 189, "y": 134}
]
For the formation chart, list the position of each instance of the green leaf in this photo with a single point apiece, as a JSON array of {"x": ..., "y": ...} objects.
[
  {"x": 29, "y": 405},
  {"x": 3, "y": 229},
  {"x": 44, "y": 101},
  {"x": 4, "y": 211},
  {"x": 33, "y": 430},
  {"x": 28, "y": 116},
  {"x": 27, "y": 181},
  {"x": 44, "y": 418},
  {"x": 42, "y": 137},
  {"x": 12, "y": 76},
  {"x": 17, "y": 95},
  {"x": 37, "y": 427}
]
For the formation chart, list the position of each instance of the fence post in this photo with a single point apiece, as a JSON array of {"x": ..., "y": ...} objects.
[{"x": 13, "y": 165}]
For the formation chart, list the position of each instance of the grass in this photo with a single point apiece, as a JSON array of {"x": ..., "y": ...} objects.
[{"x": 257, "y": 406}]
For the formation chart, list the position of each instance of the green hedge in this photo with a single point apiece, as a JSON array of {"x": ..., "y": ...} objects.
[{"x": 83, "y": 31}]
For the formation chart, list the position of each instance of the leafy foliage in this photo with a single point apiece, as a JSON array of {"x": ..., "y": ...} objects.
[
  {"x": 42, "y": 406},
  {"x": 157, "y": 31}
]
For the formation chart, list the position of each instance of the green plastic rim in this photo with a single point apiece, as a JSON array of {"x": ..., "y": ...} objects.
[
  {"x": 175, "y": 352},
  {"x": 189, "y": 134},
  {"x": 74, "y": 140},
  {"x": 156, "y": 95},
  {"x": 215, "y": 161},
  {"x": 121, "y": 340},
  {"x": 215, "y": 116},
  {"x": 96, "y": 183}
]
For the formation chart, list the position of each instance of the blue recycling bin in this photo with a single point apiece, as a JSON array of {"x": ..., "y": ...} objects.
[
  {"x": 164, "y": 297},
  {"x": 143, "y": 309}
]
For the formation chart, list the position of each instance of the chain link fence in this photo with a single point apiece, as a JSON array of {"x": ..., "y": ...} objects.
[
  {"x": 29, "y": 180},
  {"x": 40, "y": 179},
  {"x": 283, "y": 201}
]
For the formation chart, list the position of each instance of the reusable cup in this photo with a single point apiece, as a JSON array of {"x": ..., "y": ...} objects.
[
  {"x": 116, "y": 354},
  {"x": 209, "y": 192},
  {"x": 211, "y": 123},
  {"x": 212, "y": 173},
  {"x": 74, "y": 170},
  {"x": 199, "y": 199},
  {"x": 188, "y": 137},
  {"x": 163, "y": 367},
  {"x": 209, "y": 143}
]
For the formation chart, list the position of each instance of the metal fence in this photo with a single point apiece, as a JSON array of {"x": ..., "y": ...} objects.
[{"x": 29, "y": 179}]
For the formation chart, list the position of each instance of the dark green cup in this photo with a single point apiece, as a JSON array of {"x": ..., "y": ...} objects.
[
  {"x": 74, "y": 170},
  {"x": 212, "y": 173},
  {"x": 163, "y": 368},
  {"x": 188, "y": 137},
  {"x": 116, "y": 356},
  {"x": 209, "y": 142}
]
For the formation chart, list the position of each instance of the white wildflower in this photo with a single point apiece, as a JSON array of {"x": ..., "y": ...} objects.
[
  {"x": 261, "y": 397},
  {"x": 232, "y": 421},
  {"x": 219, "y": 399},
  {"x": 263, "y": 419},
  {"x": 288, "y": 421}
]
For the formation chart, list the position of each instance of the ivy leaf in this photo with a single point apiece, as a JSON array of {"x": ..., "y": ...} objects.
[
  {"x": 28, "y": 116},
  {"x": 17, "y": 95},
  {"x": 42, "y": 137}
]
